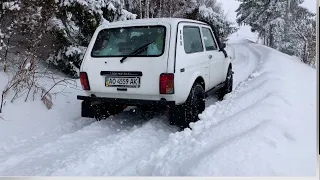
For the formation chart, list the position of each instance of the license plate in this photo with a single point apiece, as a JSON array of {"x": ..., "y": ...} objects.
[{"x": 131, "y": 82}]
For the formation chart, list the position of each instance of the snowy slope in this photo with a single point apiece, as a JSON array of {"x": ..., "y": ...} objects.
[{"x": 266, "y": 126}]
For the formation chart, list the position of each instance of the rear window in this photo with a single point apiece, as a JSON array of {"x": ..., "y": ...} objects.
[{"x": 119, "y": 42}]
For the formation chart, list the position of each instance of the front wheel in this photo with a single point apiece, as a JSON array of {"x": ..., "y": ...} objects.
[{"x": 228, "y": 84}]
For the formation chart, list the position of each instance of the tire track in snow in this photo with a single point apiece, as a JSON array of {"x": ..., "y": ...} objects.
[
  {"x": 119, "y": 151},
  {"x": 205, "y": 138},
  {"x": 37, "y": 159},
  {"x": 13, "y": 147},
  {"x": 187, "y": 152},
  {"x": 245, "y": 62},
  {"x": 236, "y": 105},
  {"x": 217, "y": 144},
  {"x": 62, "y": 154},
  {"x": 272, "y": 138},
  {"x": 160, "y": 162}
]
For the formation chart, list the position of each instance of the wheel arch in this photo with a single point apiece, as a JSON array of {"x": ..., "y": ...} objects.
[
  {"x": 200, "y": 80},
  {"x": 184, "y": 93}
]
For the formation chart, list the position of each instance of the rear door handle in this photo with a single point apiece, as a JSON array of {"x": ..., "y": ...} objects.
[{"x": 210, "y": 56}]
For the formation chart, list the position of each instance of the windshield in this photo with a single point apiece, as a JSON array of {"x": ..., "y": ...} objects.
[{"x": 119, "y": 42}]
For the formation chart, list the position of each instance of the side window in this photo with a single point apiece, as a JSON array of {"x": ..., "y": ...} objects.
[
  {"x": 192, "y": 39},
  {"x": 209, "y": 42}
]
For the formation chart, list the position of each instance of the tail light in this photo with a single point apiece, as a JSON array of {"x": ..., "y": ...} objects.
[
  {"x": 167, "y": 83},
  {"x": 84, "y": 81}
]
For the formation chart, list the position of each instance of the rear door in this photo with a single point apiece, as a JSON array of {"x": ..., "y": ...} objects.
[
  {"x": 216, "y": 58},
  {"x": 138, "y": 74}
]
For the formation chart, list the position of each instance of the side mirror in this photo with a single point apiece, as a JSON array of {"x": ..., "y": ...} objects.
[
  {"x": 222, "y": 48},
  {"x": 223, "y": 45}
]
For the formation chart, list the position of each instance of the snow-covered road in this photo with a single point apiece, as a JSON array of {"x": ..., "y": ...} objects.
[{"x": 266, "y": 126}]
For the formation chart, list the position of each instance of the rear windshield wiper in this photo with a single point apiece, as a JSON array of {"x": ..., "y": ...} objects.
[{"x": 137, "y": 51}]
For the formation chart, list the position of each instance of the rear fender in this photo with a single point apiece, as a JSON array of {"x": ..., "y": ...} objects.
[{"x": 184, "y": 92}]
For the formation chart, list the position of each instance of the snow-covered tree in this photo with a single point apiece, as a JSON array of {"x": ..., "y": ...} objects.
[
  {"x": 73, "y": 24},
  {"x": 302, "y": 34},
  {"x": 211, "y": 11},
  {"x": 8, "y": 15},
  {"x": 25, "y": 23},
  {"x": 208, "y": 10},
  {"x": 281, "y": 24}
]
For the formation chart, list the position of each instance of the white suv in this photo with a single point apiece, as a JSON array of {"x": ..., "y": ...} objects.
[{"x": 160, "y": 62}]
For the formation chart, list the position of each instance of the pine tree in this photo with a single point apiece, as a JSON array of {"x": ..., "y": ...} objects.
[
  {"x": 282, "y": 24},
  {"x": 73, "y": 24}
]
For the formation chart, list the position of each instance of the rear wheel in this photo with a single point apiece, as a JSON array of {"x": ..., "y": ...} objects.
[{"x": 182, "y": 115}]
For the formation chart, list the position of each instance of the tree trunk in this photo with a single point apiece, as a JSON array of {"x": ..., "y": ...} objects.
[
  {"x": 140, "y": 3},
  {"x": 160, "y": 8},
  {"x": 148, "y": 9},
  {"x": 271, "y": 40},
  {"x": 2, "y": 99},
  {"x": 145, "y": 9},
  {"x": 305, "y": 55},
  {"x": 126, "y": 3},
  {"x": 287, "y": 18},
  {"x": 170, "y": 8},
  {"x": 5, "y": 59}
]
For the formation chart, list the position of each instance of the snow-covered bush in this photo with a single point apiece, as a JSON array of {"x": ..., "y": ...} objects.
[
  {"x": 68, "y": 59},
  {"x": 11, "y": 5},
  {"x": 23, "y": 25},
  {"x": 7, "y": 9}
]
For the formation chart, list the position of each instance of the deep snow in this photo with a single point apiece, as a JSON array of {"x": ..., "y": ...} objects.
[{"x": 266, "y": 126}]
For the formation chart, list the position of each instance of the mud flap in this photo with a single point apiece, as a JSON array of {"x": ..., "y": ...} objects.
[
  {"x": 177, "y": 115},
  {"x": 86, "y": 110}
]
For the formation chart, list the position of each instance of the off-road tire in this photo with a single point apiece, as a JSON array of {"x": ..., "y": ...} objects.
[
  {"x": 228, "y": 84},
  {"x": 183, "y": 115}
]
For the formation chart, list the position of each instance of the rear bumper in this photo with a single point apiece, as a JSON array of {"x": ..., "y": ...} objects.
[{"x": 132, "y": 102}]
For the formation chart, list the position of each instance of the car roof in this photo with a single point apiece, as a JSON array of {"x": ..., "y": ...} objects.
[{"x": 171, "y": 21}]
